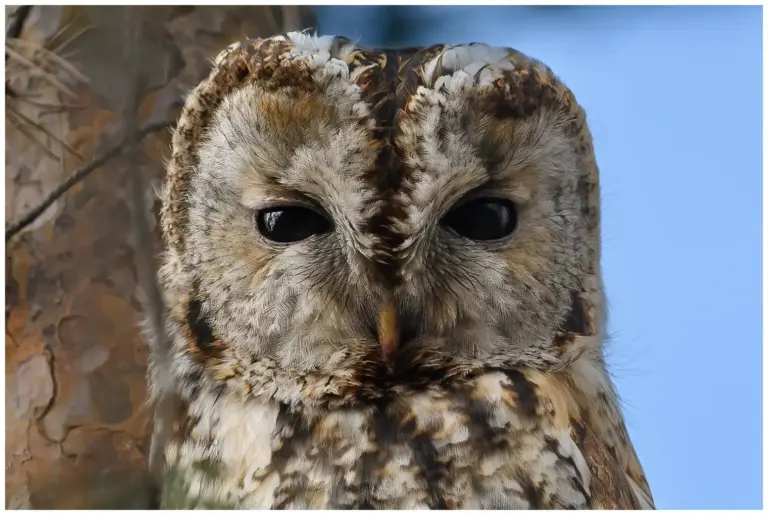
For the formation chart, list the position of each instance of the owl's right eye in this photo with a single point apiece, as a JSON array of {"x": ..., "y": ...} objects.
[{"x": 289, "y": 224}]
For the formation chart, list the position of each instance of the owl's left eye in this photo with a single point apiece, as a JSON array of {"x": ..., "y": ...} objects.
[
  {"x": 482, "y": 219},
  {"x": 290, "y": 224}
]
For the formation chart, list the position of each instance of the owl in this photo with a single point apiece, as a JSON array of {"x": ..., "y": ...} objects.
[{"x": 382, "y": 286}]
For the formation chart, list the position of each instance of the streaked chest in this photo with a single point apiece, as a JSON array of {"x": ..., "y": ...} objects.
[{"x": 483, "y": 447}]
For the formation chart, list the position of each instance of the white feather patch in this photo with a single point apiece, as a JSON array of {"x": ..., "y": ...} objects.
[
  {"x": 314, "y": 49},
  {"x": 475, "y": 60},
  {"x": 304, "y": 42}
]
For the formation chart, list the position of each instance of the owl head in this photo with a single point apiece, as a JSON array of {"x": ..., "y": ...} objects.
[{"x": 341, "y": 222}]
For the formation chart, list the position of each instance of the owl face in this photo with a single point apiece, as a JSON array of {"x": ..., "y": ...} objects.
[
  {"x": 387, "y": 212},
  {"x": 383, "y": 286}
]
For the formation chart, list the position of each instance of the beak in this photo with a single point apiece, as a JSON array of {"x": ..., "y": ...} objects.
[{"x": 388, "y": 329}]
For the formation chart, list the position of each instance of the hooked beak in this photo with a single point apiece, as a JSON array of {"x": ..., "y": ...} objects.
[{"x": 388, "y": 329}]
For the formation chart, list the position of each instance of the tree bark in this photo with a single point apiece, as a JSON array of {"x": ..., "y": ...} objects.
[{"x": 77, "y": 421}]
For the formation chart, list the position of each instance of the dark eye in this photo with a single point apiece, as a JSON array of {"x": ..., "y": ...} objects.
[
  {"x": 482, "y": 219},
  {"x": 290, "y": 223}
]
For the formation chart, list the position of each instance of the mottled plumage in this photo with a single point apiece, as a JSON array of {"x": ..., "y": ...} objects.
[{"x": 387, "y": 361}]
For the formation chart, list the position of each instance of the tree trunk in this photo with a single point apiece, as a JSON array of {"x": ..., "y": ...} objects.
[{"x": 77, "y": 422}]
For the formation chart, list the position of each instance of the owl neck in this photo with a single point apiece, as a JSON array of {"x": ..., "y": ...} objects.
[{"x": 360, "y": 381}]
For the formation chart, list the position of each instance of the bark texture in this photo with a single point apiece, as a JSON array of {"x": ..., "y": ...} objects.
[{"x": 77, "y": 423}]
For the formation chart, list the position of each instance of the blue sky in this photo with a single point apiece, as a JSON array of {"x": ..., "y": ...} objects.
[{"x": 674, "y": 99}]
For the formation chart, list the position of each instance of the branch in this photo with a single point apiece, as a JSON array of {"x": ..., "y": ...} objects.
[{"x": 80, "y": 174}]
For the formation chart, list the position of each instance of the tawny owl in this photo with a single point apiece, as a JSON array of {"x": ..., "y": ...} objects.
[{"x": 383, "y": 288}]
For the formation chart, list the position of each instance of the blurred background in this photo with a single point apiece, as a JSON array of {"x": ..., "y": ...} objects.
[{"x": 673, "y": 97}]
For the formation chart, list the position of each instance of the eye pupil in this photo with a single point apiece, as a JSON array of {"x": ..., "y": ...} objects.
[
  {"x": 290, "y": 224},
  {"x": 482, "y": 219}
]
